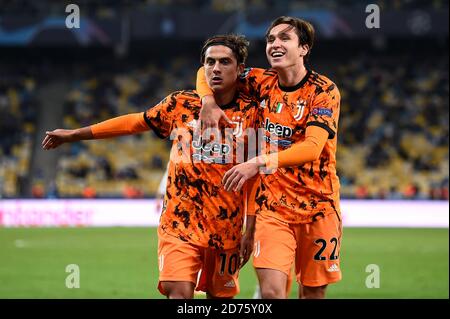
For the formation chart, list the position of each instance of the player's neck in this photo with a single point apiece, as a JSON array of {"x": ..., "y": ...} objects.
[
  {"x": 224, "y": 98},
  {"x": 291, "y": 76}
]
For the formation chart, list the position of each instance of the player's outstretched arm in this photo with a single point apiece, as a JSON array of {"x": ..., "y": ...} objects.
[
  {"x": 57, "y": 137},
  {"x": 117, "y": 126}
]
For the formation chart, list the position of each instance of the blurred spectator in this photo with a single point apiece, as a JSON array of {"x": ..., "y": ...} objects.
[
  {"x": 52, "y": 191},
  {"x": 89, "y": 192},
  {"x": 132, "y": 192},
  {"x": 157, "y": 162},
  {"x": 411, "y": 191},
  {"x": 444, "y": 192},
  {"x": 105, "y": 168},
  {"x": 362, "y": 192},
  {"x": 394, "y": 193},
  {"x": 127, "y": 173},
  {"x": 37, "y": 190}
]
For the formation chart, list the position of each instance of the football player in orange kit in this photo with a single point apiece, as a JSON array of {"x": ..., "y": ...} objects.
[
  {"x": 298, "y": 212},
  {"x": 201, "y": 224}
]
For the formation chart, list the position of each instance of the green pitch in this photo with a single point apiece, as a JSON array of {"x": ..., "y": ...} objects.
[{"x": 122, "y": 263}]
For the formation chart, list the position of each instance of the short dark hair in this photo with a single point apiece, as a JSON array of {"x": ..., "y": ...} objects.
[
  {"x": 304, "y": 29},
  {"x": 237, "y": 43}
]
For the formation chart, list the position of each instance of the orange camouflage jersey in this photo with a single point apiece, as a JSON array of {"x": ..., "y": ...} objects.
[
  {"x": 197, "y": 209},
  {"x": 296, "y": 194}
]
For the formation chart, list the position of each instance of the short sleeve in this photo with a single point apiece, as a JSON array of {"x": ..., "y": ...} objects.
[
  {"x": 160, "y": 118},
  {"x": 324, "y": 109}
]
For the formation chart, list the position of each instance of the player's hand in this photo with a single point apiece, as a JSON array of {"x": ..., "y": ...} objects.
[
  {"x": 235, "y": 178},
  {"x": 246, "y": 248},
  {"x": 212, "y": 116},
  {"x": 57, "y": 137}
]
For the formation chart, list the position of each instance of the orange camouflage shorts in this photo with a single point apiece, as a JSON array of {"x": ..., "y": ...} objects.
[
  {"x": 314, "y": 247},
  {"x": 212, "y": 271}
]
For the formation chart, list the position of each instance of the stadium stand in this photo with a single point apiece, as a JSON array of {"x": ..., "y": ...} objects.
[
  {"x": 394, "y": 127},
  {"x": 17, "y": 127}
]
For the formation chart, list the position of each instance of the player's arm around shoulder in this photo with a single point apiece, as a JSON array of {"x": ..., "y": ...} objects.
[{"x": 211, "y": 115}]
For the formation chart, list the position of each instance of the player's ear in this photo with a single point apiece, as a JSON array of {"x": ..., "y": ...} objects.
[
  {"x": 304, "y": 49},
  {"x": 241, "y": 68}
]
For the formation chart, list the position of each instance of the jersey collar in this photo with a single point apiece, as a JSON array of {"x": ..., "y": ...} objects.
[
  {"x": 298, "y": 85},
  {"x": 232, "y": 104}
]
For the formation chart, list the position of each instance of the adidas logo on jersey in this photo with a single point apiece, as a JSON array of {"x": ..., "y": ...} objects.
[
  {"x": 333, "y": 268},
  {"x": 230, "y": 284},
  {"x": 262, "y": 104}
]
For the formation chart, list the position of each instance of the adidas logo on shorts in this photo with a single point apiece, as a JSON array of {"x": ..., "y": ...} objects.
[
  {"x": 333, "y": 268},
  {"x": 230, "y": 284}
]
